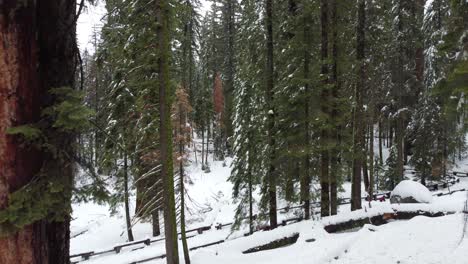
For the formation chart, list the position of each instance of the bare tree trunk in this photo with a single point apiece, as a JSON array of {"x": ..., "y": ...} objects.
[
  {"x": 126, "y": 200},
  {"x": 305, "y": 180},
  {"x": 182, "y": 215},
  {"x": 271, "y": 179},
  {"x": 371, "y": 156},
  {"x": 165, "y": 132},
  {"x": 203, "y": 148},
  {"x": 380, "y": 143},
  {"x": 182, "y": 134},
  {"x": 400, "y": 93},
  {"x": 155, "y": 222},
  {"x": 334, "y": 161},
  {"x": 358, "y": 113},
  {"x": 208, "y": 129},
  {"x": 182, "y": 186},
  {"x": 391, "y": 130},
  {"x": 399, "y": 141},
  {"x": 251, "y": 218},
  {"x": 365, "y": 170},
  {"x": 324, "y": 155},
  {"x": 230, "y": 69}
]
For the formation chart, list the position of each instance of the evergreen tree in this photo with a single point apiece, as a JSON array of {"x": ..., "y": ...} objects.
[
  {"x": 248, "y": 164},
  {"x": 426, "y": 126}
]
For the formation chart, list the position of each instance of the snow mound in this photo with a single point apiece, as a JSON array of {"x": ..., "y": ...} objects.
[{"x": 411, "y": 191}]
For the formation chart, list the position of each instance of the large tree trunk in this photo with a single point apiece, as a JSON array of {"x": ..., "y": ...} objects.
[
  {"x": 271, "y": 179},
  {"x": 37, "y": 53},
  {"x": 57, "y": 60},
  {"x": 325, "y": 155},
  {"x": 305, "y": 180},
  {"x": 182, "y": 134},
  {"x": 334, "y": 159},
  {"x": 400, "y": 94},
  {"x": 359, "y": 129},
  {"x": 19, "y": 79},
  {"x": 165, "y": 131}
]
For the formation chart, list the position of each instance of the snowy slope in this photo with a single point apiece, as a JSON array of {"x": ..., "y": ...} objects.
[
  {"x": 419, "y": 240},
  {"x": 209, "y": 202}
]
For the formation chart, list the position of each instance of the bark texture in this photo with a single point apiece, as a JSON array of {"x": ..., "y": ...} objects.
[
  {"x": 325, "y": 133},
  {"x": 37, "y": 53},
  {"x": 359, "y": 129},
  {"x": 165, "y": 136},
  {"x": 271, "y": 180}
]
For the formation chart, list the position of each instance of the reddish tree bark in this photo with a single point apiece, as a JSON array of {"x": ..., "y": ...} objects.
[
  {"x": 19, "y": 104},
  {"x": 218, "y": 96},
  {"x": 37, "y": 53}
]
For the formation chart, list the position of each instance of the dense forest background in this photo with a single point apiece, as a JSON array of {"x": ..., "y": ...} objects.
[{"x": 297, "y": 92}]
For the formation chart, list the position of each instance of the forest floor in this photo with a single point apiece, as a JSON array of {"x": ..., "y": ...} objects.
[{"x": 419, "y": 240}]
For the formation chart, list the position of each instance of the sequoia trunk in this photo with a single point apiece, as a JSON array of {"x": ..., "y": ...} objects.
[{"x": 37, "y": 53}]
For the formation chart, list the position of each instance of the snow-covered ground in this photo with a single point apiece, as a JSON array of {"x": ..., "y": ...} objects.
[
  {"x": 209, "y": 202},
  {"x": 419, "y": 240}
]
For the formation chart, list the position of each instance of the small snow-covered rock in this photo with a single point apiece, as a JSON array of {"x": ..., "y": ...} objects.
[{"x": 410, "y": 192}]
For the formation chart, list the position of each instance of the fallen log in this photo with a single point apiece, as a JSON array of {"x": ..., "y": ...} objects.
[
  {"x": 207, "y": 245},
  {"x": 381, "y": 219},
  {"x": 286, "y": 241},
  {"x": 79, "y": 234},
  {"x": 449, "y": 193},
  {"x": 295, "y": 220}
]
